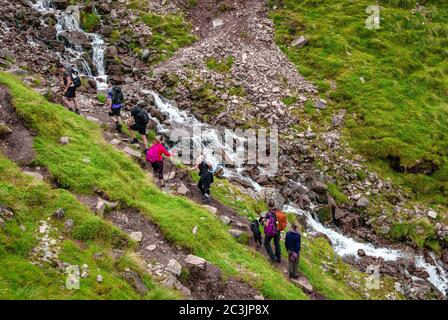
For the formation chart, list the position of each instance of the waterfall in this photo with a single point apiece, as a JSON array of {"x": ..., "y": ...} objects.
[{"x": 67, "y": 22}]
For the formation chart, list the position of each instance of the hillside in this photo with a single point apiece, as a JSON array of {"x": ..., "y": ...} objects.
[{"x": 361, "y": 119}]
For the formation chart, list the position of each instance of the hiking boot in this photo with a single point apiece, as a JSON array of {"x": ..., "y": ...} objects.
[
  {"x": 118, "y": 127},
  {"x": 77, "y": 111},
  {"x": 134, "y": 141}
]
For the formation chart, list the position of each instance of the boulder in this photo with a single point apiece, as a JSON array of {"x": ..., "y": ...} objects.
[
  {"x": 136, "y": 236},
  {"x": 64, "y": 140},
  {"x": 235, "y": 233},
  {"x": 361, "y": 253},
  {"x": 195, "y": 261},
  {"x": 174, "y": 267},
  {"x": 362, "y": 202},
  {"x": 133, "y": 152},
  {"x": 59, "y": 214},
  {"x": 35, "y": 175},
  {"x": 4, "y": 130},
  {"x": 319, "y": 187},
  {"x": 303, "y": 283},
  {"x": 134, "y": 280},
  {"x": 300, "y": 42},
  {"x": 75, "y": 39}
]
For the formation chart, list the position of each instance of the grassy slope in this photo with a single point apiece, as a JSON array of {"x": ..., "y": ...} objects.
[
  {"x": 402, "y": 108},
  {"x": 124, "y": 181},
  {"x": 34, "y": 201},
  {"x": 341, "y": 281}
]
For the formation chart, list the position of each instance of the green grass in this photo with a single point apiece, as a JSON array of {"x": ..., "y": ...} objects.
[
  {"x": 170, "y": 32},
  {"x": 90, "y": 21},
  {"x": 34, "y": 201},
  {"x": 338, "y": 195},
  {"x": 218, "y": 65},
  {"x": 402, "y": 106},
  {"x": 124, "y": 181}
]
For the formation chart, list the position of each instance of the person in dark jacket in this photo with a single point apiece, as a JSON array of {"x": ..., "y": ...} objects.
[
  {"x": 205, "y": 176},
  {"x": 292, "y": 244}
]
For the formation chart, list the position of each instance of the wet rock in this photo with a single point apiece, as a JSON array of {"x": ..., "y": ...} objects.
[
  {"x": 361, "y": 253},
  {"x": 445, "y": 256},
  {"x": 75, "y": 38}
]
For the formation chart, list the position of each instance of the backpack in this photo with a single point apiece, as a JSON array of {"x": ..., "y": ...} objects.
[
  {"x": 271, "y": 229},
  {"x": 282, "y": 220},
  {"x": 117, "y": 96},
  {"x": 75, "y": 78},
  {"x": 203, "y": 168},
  {"x": 153, "y": 154},
  {"x": 255, "y": 226},
  {"x": 141, "y": 116}
]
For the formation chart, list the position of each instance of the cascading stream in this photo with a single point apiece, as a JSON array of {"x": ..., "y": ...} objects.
[
  {"x": 68, "y": 22},
  {"x": 343, "y": 246}
]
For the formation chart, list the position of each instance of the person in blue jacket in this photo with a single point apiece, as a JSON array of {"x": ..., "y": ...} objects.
[{"x": 292, "y": 244}]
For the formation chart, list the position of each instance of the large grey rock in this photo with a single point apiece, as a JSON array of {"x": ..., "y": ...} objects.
[
  {"x": 64, "y": 140},
  {"x": 137, "y": 236},
  {"x": 235, "y": 233},
  {"x": 174, "y": 267},
  {"x": 35, "y": 175},
  {"x": 132, "y": 152},
  {"x": 196, "y": 261},
  {"x": 362, "y": 202},
  {"x": 134, "y": 280},
  {"x": 300, "y": 42}
]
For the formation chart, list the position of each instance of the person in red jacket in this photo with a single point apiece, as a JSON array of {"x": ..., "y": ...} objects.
[{"x": 155, "y": 158}]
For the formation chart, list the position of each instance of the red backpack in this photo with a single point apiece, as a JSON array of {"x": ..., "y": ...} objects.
[{"x": 282, "y": 220}]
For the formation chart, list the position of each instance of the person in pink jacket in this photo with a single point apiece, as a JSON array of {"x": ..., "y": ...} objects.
[{"x": 155, "y": 157}]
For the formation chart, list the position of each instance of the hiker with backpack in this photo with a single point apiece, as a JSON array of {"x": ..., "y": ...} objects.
[
  {"x": 141, "y": 120},
  {"x": 115, "y": 101},
  {"x": 70, "y": 82},
  {"x": 205, "y": 176},
  {"x": 255, "y": 228},
  {"x": 292, "y": 244},
  {"x": 275, "y": 223},
  {"x": 155, "y": 157}
]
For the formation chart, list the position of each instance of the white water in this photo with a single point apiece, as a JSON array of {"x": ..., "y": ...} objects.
[
  {"x": 343, "y": 245},
  {"x": 67, "y": 22}
]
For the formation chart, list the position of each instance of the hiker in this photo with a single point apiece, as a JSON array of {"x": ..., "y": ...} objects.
[
  {"x": 275, "y": 222},
  {"x": 205, "y": 176},
  {"x": 141, "y": 119},
  {"x": 114, "y": 102},
  {"x": 70, "y": 82},
  {"x": 255, "y": 228},
  {"x": 155, "y": 157},
  {"x": 292, "y": 244}
]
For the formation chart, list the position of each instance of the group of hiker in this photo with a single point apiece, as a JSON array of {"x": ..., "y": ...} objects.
[{"x": 274, "y": 222}]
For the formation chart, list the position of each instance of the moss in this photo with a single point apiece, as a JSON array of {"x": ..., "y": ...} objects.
[{"x": 222, "y": 66}]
